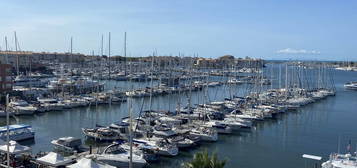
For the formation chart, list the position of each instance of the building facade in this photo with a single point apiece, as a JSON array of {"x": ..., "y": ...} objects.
[{"x": 25, "y": 59}]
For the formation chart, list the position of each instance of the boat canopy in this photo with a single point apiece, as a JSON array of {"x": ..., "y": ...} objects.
[
  {"x": 14, "y": 127},
  {"x": 89, "y": 163},
  {"x": 53, "y": 159},
  {"x": 14, "y": 148},
  {"x": 120, "y": 123}
]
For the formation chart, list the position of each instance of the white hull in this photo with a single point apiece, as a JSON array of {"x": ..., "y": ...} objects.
[
  {"x": 120, "y": 161},
  {"x": 206, "y": 137}
]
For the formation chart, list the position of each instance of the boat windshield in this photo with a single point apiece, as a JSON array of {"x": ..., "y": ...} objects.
[{"x": 114, "y": 149}]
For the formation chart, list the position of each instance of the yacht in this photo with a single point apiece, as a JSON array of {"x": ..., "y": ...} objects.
[
  {"x": 161, "y": 146},
  {"x": 220, "y": 127},
  {"x": 341, "y": 161},
  {"x": 101, "y": 134},
  {"x": 117, "y": 156},
  {"x": 237, "y": 123},
  {"x": 351, "y": 85},
  {"x": 148, "y": 155},
  {"x": 205, "y": 134},
  {"x": 245, "y": 116},
  {"x": 21, "y": 107},
  {"x": 50, "y": 104},
  {"x": 123, "y": 129},
  {"x": 68, "y": 145},
  {"x": 169, "y": 120},
  {"x": 18, "y": 132},
  {"x": 181, "y": 141},
  {"x": 163, "y": 131},
  {"x": 22, "y": 80}
]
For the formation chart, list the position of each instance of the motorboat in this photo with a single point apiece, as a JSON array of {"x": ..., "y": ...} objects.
[
  {"x": 205, "y": 134},
  {"x": 148, "y": 155},
  {"x": 163, "y": 131},
  {"x": 101, "y": 134},
  {"x": 50, "y": 104},
  {"x": 17, "y": 132},
  {"x": 220, "y": 127},
  {"x": 169, "y": 120},
  {"x": 21, "y": 107},
  {"x": 161, "y": 146},
  {"x": 245, "y": 116},
  {"x": 68, "y": 145},
  {"x": 351, "y": 85},
  {"x": 181, "y": 141},
  {"x": 237, "y": 123},
  {"x": 117, "y": 156}
]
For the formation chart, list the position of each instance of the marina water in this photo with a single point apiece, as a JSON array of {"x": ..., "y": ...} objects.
[{"x": 313, "y": 129}]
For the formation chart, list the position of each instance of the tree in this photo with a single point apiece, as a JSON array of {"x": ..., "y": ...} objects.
[{"x": 203, "y": 160}]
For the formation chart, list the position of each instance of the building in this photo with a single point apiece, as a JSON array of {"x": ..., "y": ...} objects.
[
  {"x": 5, "y": 78},
  {"x": 229, "y": 61},
  {"x": 25, "y": 59}
]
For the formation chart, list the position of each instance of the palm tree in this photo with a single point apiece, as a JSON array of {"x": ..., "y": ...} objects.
[{"x": 203, "y": 160}]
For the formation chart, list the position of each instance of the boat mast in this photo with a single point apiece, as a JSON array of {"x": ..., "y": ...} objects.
[
  {"x": 101, "y": 57},
  {"x": 130, "y": 105},
  {"x": 131, "y": 131},
  {"x": 71, "y": 65},
  {"x": 206, "y": 99},
  {"x": 17, "y": 55},
  {"x": 71, "y": 50},
  {"x": 271, "y": 76},
  {"x": 190, "y": 83},
  {"x": 109, "y": 55},
  {"x": 7, "y": 115},
  {"x": 286, "y": 79},
  {"x": 30, "y": 63},
  {"x": 178, "y": 105},
  {"x": 151, "y": 81},
  {"x": 101, "y": 46},
  {"x": 125, "y": 53},
  {"x": 6, "y": 51},
  {"x": 7, "y": 132},
  {"x": 279, "y": 76}
]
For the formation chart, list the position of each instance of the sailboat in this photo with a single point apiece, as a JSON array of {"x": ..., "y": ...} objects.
[{"x": 339, "y": 160}]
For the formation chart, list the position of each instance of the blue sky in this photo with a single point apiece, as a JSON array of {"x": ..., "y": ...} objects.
[{"x": 271, "y": 29}]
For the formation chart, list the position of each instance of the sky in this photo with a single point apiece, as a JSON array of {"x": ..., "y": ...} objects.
[{"x": 268, "y": 29}]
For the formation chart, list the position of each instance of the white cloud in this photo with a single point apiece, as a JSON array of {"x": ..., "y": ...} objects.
[{"x": 297, "y": 51}]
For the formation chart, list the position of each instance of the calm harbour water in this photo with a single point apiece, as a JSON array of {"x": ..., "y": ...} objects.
[{"x": 313, "y": 129}]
